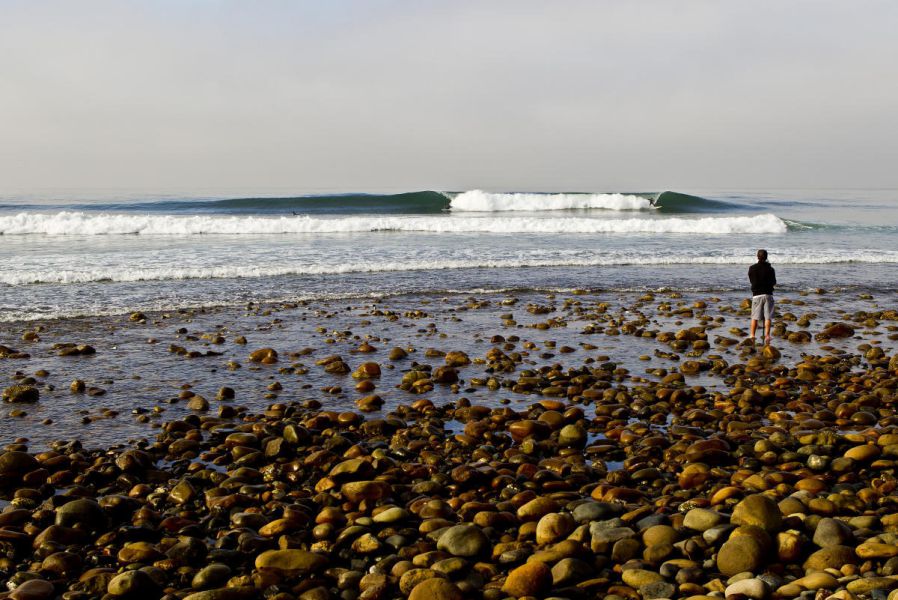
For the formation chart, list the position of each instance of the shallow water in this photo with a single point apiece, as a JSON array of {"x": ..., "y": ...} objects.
[{"x": 135, "y": 367}]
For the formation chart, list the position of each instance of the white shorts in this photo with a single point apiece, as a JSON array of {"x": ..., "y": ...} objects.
[{"x": 762, "y": 307}]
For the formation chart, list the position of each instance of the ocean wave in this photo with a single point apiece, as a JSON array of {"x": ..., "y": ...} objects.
[
  {"x": 174, "y": 273},
  {"x": 84, "y": 224},
  {"x": 480, "y": 201}
]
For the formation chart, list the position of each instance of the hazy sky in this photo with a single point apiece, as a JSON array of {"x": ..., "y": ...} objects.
[{"x": 379, "y": 95}]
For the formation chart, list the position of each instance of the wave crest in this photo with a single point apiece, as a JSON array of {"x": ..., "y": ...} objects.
[{"x": 480, "y": 201}]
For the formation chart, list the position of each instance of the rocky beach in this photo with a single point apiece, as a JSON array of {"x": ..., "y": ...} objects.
[{"x": 513, "y": 445}]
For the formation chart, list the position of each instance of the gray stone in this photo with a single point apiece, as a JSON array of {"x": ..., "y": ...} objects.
[
  {"x": 832, "y": 532},
  {"x": 464, "y": 540}
]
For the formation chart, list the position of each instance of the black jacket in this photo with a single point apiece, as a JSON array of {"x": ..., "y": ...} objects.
[{"x": 762, "y": 278}]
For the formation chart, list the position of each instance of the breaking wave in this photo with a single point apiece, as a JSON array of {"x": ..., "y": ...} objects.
[
  {"x": 86, "y": 224},
  {"x": 480, "y": 201}
]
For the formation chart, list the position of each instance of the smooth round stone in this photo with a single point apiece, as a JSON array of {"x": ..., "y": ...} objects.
[
  {"x": 657, "y": 590},
  {"x": 740, "y": 554},
  {"x": 791, "y": 506},
  {"x": 530, "y": 579},
  {"x": 411, "y": 578},
  {"x": 62, "y": 563},
  {"x": 874, "y": 549},
  {"x": 832, "y": 532},
  {"x": 659, "y": 535},
  {"x": 33, "y": 589},
  {"x": 356, "y": 468},
  {"x": 83, "y": 513},
  {"x": 356, "y": 491},
  {"x": 703, "y": 519},
  {"x": 571, "y": 570},
  {"x": 132, "y": 583},
  {"x": 750, "y": 588},
  {"x": 833, "y": 557},
  {"x": 758, "y": 510},
  {"x": 450, "y": 566},
  {"x": 15, "y": 462},
  {"x": 717, "y": 534},
  {"x": 290, "y": 562},
  {"x": 393, "y": 514},
  {"x": 637, "y": 578},
  {"x": 138, "y": 552},
  {"x": 436, "y": 589},
  {"x": 866, "y": 585},
  {"x": 572, "y": 436},
  {"x": 537, "y": 508},
  {"x": 211, "y": 576},
  {"x": 863, "y": 453},
  {"x": 464, "y": 540},
  {"x": 226, "y": 593},
  {"x": 553, "y": 527},
  {"x": 818, "y": 580},
  {"x": 592, "y": 511}
]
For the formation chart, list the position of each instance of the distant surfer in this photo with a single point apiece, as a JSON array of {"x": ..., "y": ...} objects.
[{"x": 762, "y": 277}]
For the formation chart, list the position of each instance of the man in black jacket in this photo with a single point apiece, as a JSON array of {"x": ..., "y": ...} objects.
[{"x": 762, "y": 278}]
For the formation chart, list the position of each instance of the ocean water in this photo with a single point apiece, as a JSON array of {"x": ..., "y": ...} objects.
[{"x": 67, "y": 254}]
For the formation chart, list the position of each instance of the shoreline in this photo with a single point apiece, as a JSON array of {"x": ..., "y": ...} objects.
[{"x": 563, "y": 445}]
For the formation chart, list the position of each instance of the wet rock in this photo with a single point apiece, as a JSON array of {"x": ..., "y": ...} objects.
[
  {"x": 838, "y": 330},
  {"x": 21, "y": 394},
  {"x": 368, "y": 370},
  {"x": 397, "y": 354},
  {"x": 265, "y": 356},
  {"x": 14, "y": 463},
  {"x": 572, "y": 436},
  {"x": 83, "y": 513}
]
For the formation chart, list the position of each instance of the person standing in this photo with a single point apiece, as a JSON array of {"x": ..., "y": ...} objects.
[{"x": 762, "y": 277}]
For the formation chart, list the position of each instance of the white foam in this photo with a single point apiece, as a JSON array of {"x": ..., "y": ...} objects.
[
  {"x": 79, "y": 223},
  {"x": 174, "y": 273},
  {"x": 480, "y": 201}
]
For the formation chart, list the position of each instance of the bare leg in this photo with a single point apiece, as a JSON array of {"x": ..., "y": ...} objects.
[
  {"x": 753, "y": 328},
  {"x": 767, "y": 332}
]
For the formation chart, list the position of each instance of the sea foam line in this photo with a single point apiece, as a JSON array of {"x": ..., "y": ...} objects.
[
  {"x": 78, "y": 223},
  {"x": 132, "y": 274}
]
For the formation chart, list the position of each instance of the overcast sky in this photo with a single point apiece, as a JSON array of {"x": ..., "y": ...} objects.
[{"x": 378, "y": 95}]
